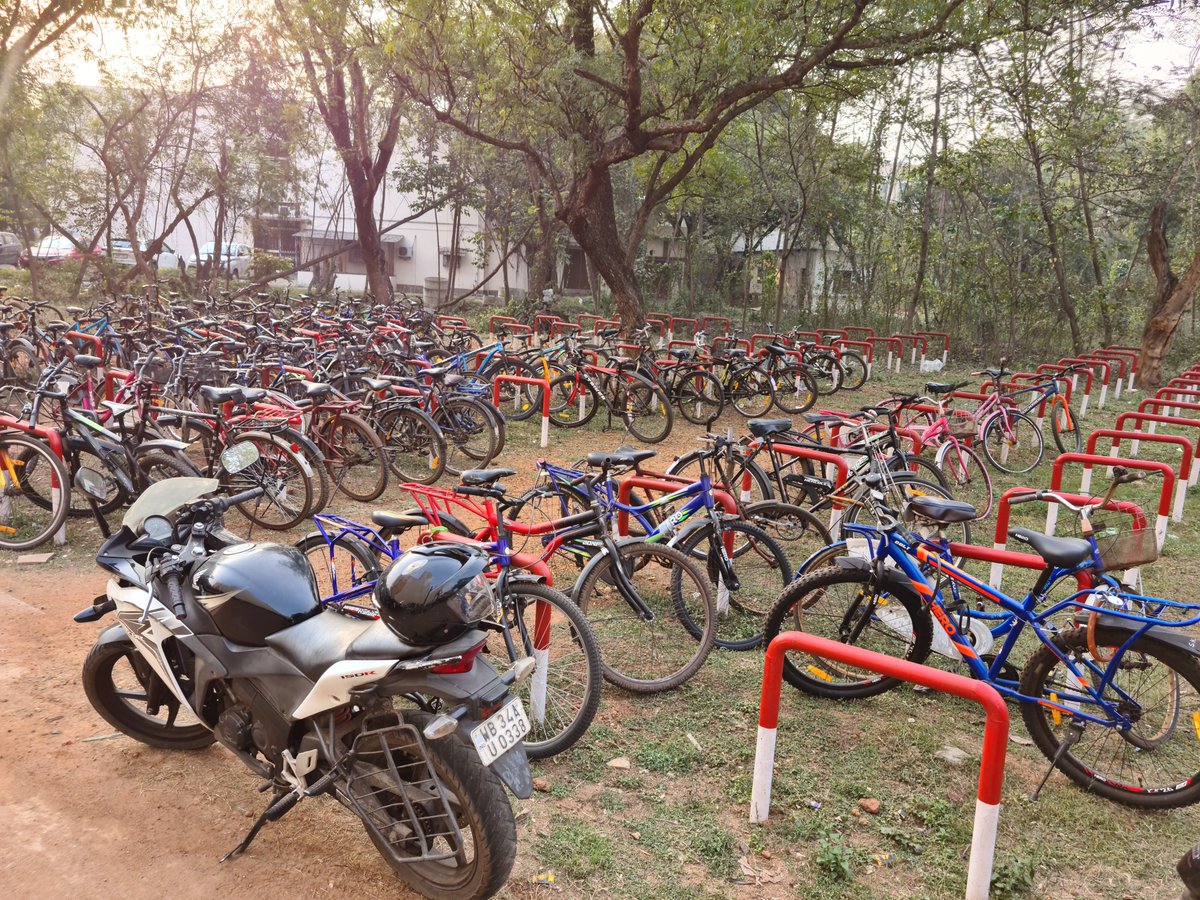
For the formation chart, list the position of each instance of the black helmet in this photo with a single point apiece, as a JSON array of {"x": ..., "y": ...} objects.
[{"x": 435, "y": 592}]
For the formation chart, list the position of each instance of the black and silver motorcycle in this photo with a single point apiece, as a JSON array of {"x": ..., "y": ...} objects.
[{"x": 399, "y": 719}]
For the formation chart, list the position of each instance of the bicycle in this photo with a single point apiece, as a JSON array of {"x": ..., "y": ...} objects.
[{"x": 1123, "y": 674}]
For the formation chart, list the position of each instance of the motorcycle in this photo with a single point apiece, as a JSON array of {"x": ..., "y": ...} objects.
[{"x": 398, "y": 718}]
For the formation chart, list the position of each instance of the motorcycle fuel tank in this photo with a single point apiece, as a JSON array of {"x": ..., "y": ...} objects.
[{"x": 253, "y": 590}]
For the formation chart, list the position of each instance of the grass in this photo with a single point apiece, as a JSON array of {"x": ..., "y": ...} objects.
[{"x": 675, "y": 823}]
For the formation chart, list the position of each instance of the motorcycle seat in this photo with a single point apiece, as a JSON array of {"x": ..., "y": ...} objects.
[{"x": 329, "y": 637}]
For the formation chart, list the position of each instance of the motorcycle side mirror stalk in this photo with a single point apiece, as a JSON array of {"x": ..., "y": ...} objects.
[{"x": 91, "y": 484}]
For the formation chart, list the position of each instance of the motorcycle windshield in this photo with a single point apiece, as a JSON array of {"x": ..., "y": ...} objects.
[{"x": 164, "y": 497}]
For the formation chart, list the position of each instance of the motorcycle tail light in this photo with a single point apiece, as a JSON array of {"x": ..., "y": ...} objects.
[{"x": 460, "y": 664}]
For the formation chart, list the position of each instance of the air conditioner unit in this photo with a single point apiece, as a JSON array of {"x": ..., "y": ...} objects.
[
  {"x": 404, "y": 251},
  {"x": 450, "y": 260},
  {"x": 287, "y": 211}
]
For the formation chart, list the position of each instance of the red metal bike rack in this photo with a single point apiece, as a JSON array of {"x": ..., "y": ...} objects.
[
  {"x": 814, "y": 336},
  {"x": 1133, "y": 355},
  {"x": 1000, "y": 537},
  {"x": 839, "y": 334},
  {"x": 676, "y": 321},
  {"x": 915, "y": 338},
  {"x": 938, "y": 334},
  {"x": 1073, "y": 383},
  {"x": 451, "y": 322},
  {"x": 1117, "y": 435},
  {"x": 1155, "y": 419},
  {"x": 547, "y": 320},
  {"x": 664, "y": 322},
  {"x": 867, "y": 333},
  {"x": 1119, "y": 361},
  {"x": 96, "y": 341},
  {"x": 865, "y": 347},
  {"x": 583, "y": 320},
  {"x": 1093, "y": 459},
  {"x": 822, "y": 456},
  {"x": 995, "y": 735},
  {"x": 1093, "y": 363},
  {"x": 895, "y": 348},
  {"x": 524, "y": 379},
  {"x": 719, "y": 320},
  {"x": 561, "y": 327},
  {"x": 508, "y": 320},
  {"x": 605, "y": 323},
  {"x": 113, "y": 377}
]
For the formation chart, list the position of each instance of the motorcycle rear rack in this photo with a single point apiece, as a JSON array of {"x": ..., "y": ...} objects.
[{"x": 391, "y": 784}]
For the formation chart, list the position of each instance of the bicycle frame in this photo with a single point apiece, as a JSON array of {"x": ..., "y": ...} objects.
[{"x": 893, "y": 546}]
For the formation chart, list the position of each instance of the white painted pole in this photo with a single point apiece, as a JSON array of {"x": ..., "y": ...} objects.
[
  {"x": 57, "y": 497},
  {"x": 1180, "y": 497},
  {"x": 537, "y": 685},
  {"x": 545, "y": 431},
  {"x": 1160, "y": 530},
  {"x": 1033, "y": 437},
  {"x": 983, "y": 850},
  {"x": 764, "y": 767},
  {"x": 1103, "y": 395},
  {"x": 1051, "y": 517},
  {"x": 1083, "y": 404},
  {"x": 996, "y": 576},
  {"x": 1195, "y": 474}
]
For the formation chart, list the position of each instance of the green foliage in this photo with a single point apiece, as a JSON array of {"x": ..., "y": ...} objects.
[
  {"x": 575, "y": 848},
  {"x": 1012, "y": 879},
  {"x": 266, "y": 265}
]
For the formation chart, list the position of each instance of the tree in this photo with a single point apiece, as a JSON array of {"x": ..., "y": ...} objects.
[
  {"x": 600, "y": 84},
  {"x": 339, "y": 47},
  {"x": 1171, "y": 297},
  {"x": 28, "y": 27}
]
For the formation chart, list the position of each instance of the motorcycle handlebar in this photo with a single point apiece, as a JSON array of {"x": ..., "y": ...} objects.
[
  {"x": 176, "y": 594},
  {"x": 240, "y": 498}
]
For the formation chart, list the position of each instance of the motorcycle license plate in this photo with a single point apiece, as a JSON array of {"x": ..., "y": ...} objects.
[{"x": 500, "y": 732}]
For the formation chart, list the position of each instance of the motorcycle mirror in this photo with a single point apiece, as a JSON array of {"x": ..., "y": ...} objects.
[
  {"x": 91, "y": 483},
  {"x": 238, "y": 457}
]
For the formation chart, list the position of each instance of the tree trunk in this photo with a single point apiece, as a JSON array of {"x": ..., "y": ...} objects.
[
  {"x": 592, "y": 221},
  {"x": 910, "y": 312},
  {"x": 1171, "y": 299}
]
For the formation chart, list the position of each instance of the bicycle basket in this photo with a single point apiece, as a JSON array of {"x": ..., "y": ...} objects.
[
  {"x": 1123, "y": 547},
  {"x": 963, "y": 425},
  {"x": 392, "y": 787},
  {"x": 158, "y": 370}
]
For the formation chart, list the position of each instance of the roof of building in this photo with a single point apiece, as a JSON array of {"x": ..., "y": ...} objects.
[{"x": 333, "y": 234}]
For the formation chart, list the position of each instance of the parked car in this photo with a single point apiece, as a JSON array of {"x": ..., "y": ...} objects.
[
  {"x": 236, "y": 258},
  {"x": 122, "y": 252},
  {"x": 10, "y": 249},
  {"x": 52, "y": 250}
]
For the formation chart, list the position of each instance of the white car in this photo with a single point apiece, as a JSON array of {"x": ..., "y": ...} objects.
[
  {"x": 122, "y": 252},
  {"x": 236, "y": 258}
]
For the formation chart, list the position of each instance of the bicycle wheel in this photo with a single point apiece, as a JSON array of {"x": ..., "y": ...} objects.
[
  {"x": 642, "y": 656},
  {"x": 287, "y": 480},
  {"x": 1156, "y": 686},
  {"x": 413, "y": 445},
  {"x": 158, "y": 465},
  {"x": 854, "y": 370},
  {"x": 795, "y": 391},
  {"x": 517, "y": 401},
  {"x": 795, "y": 529},
  {"x": 645, "y": 408},
  {"x": 1064, "y": 425},
  {"x": 918, "y": 466},
  {"x": 751, "y": 393},
  {"x": 699, "y": 396},
  {"x": 573, "y": 401},
  {"x": 825, "y": 371},
  {"x": 757, "y": 489},
  {"x": 1014, "y": 446},
  {"x": 762, "y": 571},
  {"x": 966, "y": 476},
  {"x": 563, "y": 693},
  {"x": 29, "y": 472},
  {"x": 467, "y": 427},
  {"x": 354, "y": 457},
  {"x": 840, "y": 605},
  {"x": 345, "y": 569},
  {"x": 899, "y": 491},
  {"x": 322, "y": 484},
  {"x": 24, "y": 362}
]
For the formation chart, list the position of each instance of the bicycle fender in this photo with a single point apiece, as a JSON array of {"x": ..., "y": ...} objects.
[
  {"x": 1174, "y": 637},
  {"x": 594, "y": 561},
  {"x": 893, "y": 579},
  {"x": 159, "y": 444}
]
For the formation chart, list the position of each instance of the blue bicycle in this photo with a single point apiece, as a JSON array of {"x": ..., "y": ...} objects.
[{"x": 1112, "y": 694}]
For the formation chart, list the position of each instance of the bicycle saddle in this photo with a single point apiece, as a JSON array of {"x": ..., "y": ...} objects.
[
  {"x": 680, "y": 353},
  {"x": 485, "y": 476},
  {"x": 1058, "y": 551},
  {"x": 408, "y": 519},
  {"x": 763, "y": 427},
  {"x": 819, "y": 418},
  {"x": 619, "y": 458},
  {"x": 76, "y": 311},
  {"x": 214, "y": 394},
  {"x": 944, "y": 511},
  {"x": 377, "y": 384},
  {"x": 253, "y": 395},
  {"x": 777, "y": 349},
  {"x": 87, "y": 362},
  {"x": 938, "y": 387},
  {"x": 57, "y": 325},
  {"x": 316, "y": 390}
]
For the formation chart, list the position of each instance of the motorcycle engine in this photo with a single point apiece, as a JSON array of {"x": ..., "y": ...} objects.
[{"x": 252, "y": 723}]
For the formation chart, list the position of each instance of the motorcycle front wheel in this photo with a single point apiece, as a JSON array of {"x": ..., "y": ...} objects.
[{"x": 133, "y": 699}]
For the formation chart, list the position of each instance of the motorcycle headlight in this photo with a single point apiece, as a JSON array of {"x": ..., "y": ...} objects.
[{"x": 478, "y": 601}]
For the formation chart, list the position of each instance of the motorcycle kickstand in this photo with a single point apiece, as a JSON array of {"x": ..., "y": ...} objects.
[
  {"x": 1074, "y": 733},
  {"x": 280, "y": 806}
]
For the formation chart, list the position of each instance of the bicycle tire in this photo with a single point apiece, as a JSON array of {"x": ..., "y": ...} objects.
[
  {"x": 302, "y": 445},
  {"x": 999, "y": 448},
  {"x": 413, "y": 445},
  {"x": 741, "y": 614},
  {"x": 854, "y": 370},
  {"x": 289, "y": 482},
  {"x": 1129, "y": 788},
  {"x": 362, "y": 476},
  {"x": 629, "y": 645},
  {"x": 569, "y": 669},
  {"x": 918, "y": 466},
  {"x": 910, "y": 630},
  {"x": 826, "y": 372},
  {"x": 645, "y": 409},
  {"x": 750, "y": 393},
  {"x": 699, "y": 396},
  {"x": 967, "y": 477},
  {"x": 17, "y": 531},
  {"x": 467, "y": 428},
  {"x": 517, "y": 401},
  {"x": 760, "y": 489},
  {"x": 1064, "y": 426},
  {"x": 157, "y": 466},
  {"x": 573, "y": 401},
  {"x": 796, "y": 391},
  {"x": 339, "y": 566}
]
